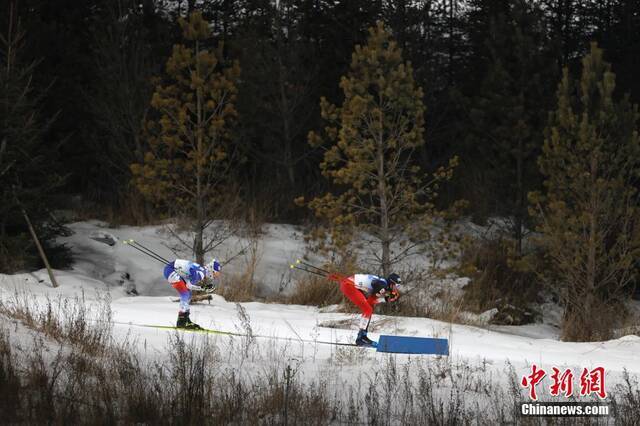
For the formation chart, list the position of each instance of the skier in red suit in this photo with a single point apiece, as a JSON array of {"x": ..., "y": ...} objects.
[{"x": 366, "y": 291}]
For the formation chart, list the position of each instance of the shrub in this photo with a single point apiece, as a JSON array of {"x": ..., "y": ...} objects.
[
  {"x": 191, "y": 385},
  {"x": 316, "y": 291},
  {"x": 495, "y": 281}
]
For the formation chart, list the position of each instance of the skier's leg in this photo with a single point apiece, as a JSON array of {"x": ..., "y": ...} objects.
[
  {"x": 364, "y": 323},
  {"x": 352, "y": 293},
  {"x": 177, "y": 283},
  {"x": 358, "y": 298},
  {"x": 372, "y": 301},
  {"x": 185, "y": 295},
  {"x": 185, "y": 301},
  {"x": 185, "y": 298}
]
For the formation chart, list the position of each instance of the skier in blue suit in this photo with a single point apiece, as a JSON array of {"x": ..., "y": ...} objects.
[{"x": 185, "y": 276}]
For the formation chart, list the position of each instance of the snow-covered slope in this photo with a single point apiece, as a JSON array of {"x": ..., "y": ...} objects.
[
  {"x": 121, "y": 266},
  {"x": 292, "y": 330}
]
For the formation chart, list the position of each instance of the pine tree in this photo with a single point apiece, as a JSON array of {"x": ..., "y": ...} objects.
[
  {"x": 189, "y": 155},
  {"x": 508, "y": 113},
  {"x": 27, "y": 160},
  {"x": 588, "y": 213},
  {"x": 119, "y": 98},
  {"x": 371, "y": 142},
  {"x": 277, "y": 103}
]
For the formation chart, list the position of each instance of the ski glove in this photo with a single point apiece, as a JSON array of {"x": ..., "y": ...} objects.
[
  {"x": 193, "y": 287},
  {"x": 392, "y": 296},
  {"x": 208, "y": 285}
]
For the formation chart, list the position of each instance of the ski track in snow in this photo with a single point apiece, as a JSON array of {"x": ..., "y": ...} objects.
[{"x": 99, "y": 266}]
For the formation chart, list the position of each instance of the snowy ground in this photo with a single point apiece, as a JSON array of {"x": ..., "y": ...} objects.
[{"x": 291, "y": 332}]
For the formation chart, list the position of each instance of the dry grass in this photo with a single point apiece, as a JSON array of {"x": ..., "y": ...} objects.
[
  {"x": 417, "y": 302},
  {"x": 494, "y": 281},
  {"x": 13, "y": 255},
  {"x": 127, "y": 207},
  {"x": 242, "y": 287},
  {"x": 316, "y": 291},
  {"x": 627, "y": 405},
  {"x": 192, "y": 385},
  {"x": 10, "y": 394},
  {"x": 237, "y": 288},
  {"x": 65, "y": 320},
  {"x": 578, "y": 328}
]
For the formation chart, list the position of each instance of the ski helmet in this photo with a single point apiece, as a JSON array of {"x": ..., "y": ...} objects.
[
  {"x": 394, "y": 279},
  {"x": 213, "y": 267}
]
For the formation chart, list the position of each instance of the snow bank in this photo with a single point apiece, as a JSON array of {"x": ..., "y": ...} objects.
[{"x": 288, "y": 329}]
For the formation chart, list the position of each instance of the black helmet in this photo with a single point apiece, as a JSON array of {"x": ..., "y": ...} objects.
[{"x": 394, "y": 279}]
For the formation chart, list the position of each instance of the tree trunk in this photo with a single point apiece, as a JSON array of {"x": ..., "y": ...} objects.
[
  {"x": 288, "y": 151},
  {"x": 385, "y": 239},
  {"x": 284, "y": 102},
  {"x": 43, "y": 256},
  {"x": 591, "y": 248},
  {"x": 519, "y": 214},
  {"x": 450, "y": 47},
  {"x": 199, "y": 225},
  {"x": 190, "y": 6}
]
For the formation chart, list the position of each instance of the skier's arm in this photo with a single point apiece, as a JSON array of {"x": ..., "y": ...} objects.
[
  {"x": 193, "y": 287},
  {"x": 379, "y": 287},
  {"x": 208, "y": 284},
  {"x": 384, "y": 292},
  {"x": 392, "y": 295},
  {"x": 196, "y": 275},
  {"x": 374, "y": 299},
  {"x": 336, "y": 277}
]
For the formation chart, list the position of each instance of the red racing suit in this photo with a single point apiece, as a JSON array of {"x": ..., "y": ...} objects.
[{"x": 364, "y": 291}]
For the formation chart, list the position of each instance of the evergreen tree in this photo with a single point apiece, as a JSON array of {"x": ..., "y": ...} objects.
[
  {"x": 568, "y": 28},
  {"x": 119, "y": 99},
  {"x": 371, "y": 140},
  {"x": 588, "y": 213},
  {"x": 189, "y": 154},
  {"x": 507, "y": 114},
  {"x": 431, "y": 37},
  {"x": 28, "y": 179},
  {"x": 277, "y": 104},
  {"x": 59, "y": 36},
  {"x": 619, "y": 36}
]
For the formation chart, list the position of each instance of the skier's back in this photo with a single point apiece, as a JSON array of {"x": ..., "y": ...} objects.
[
  {"x": 185, "y": 276},
  {"x": 366, "y": 291}
]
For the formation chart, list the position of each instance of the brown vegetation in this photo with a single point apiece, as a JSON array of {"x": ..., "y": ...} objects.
[{"x": 192, "y": 385}]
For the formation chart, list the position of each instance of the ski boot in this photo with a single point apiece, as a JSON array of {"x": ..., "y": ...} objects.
[
  {"x": 363, "y": 340},
  {"x": 185, "y": 322}
]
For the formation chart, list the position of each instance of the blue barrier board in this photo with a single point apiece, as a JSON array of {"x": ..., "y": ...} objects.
[{"x": 413, "y": 345}]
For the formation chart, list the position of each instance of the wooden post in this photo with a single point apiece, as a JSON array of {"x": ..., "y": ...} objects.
[{"x": 43, "y": 256}]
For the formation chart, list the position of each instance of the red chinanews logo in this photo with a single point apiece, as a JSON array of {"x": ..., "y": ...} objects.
[{"x": 591, "y": 382}]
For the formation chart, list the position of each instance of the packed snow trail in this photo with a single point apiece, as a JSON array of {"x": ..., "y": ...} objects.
[
  {"x": 297, "y": 330},
  {"x": 230, "y": 333}
]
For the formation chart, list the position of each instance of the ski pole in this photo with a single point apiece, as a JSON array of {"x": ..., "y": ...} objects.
[
  {"x": 292, "y": 266},
  {"x": 149, "y": 250},
  {"x": 311, "y": 269},
  {"x": 143, "y": 249},
  {"x": 128, "y": 242},
  {"x": 302, "y": 262}
]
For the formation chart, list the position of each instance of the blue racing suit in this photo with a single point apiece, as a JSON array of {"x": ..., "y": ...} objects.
[{"x": 184, "y": 276}]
